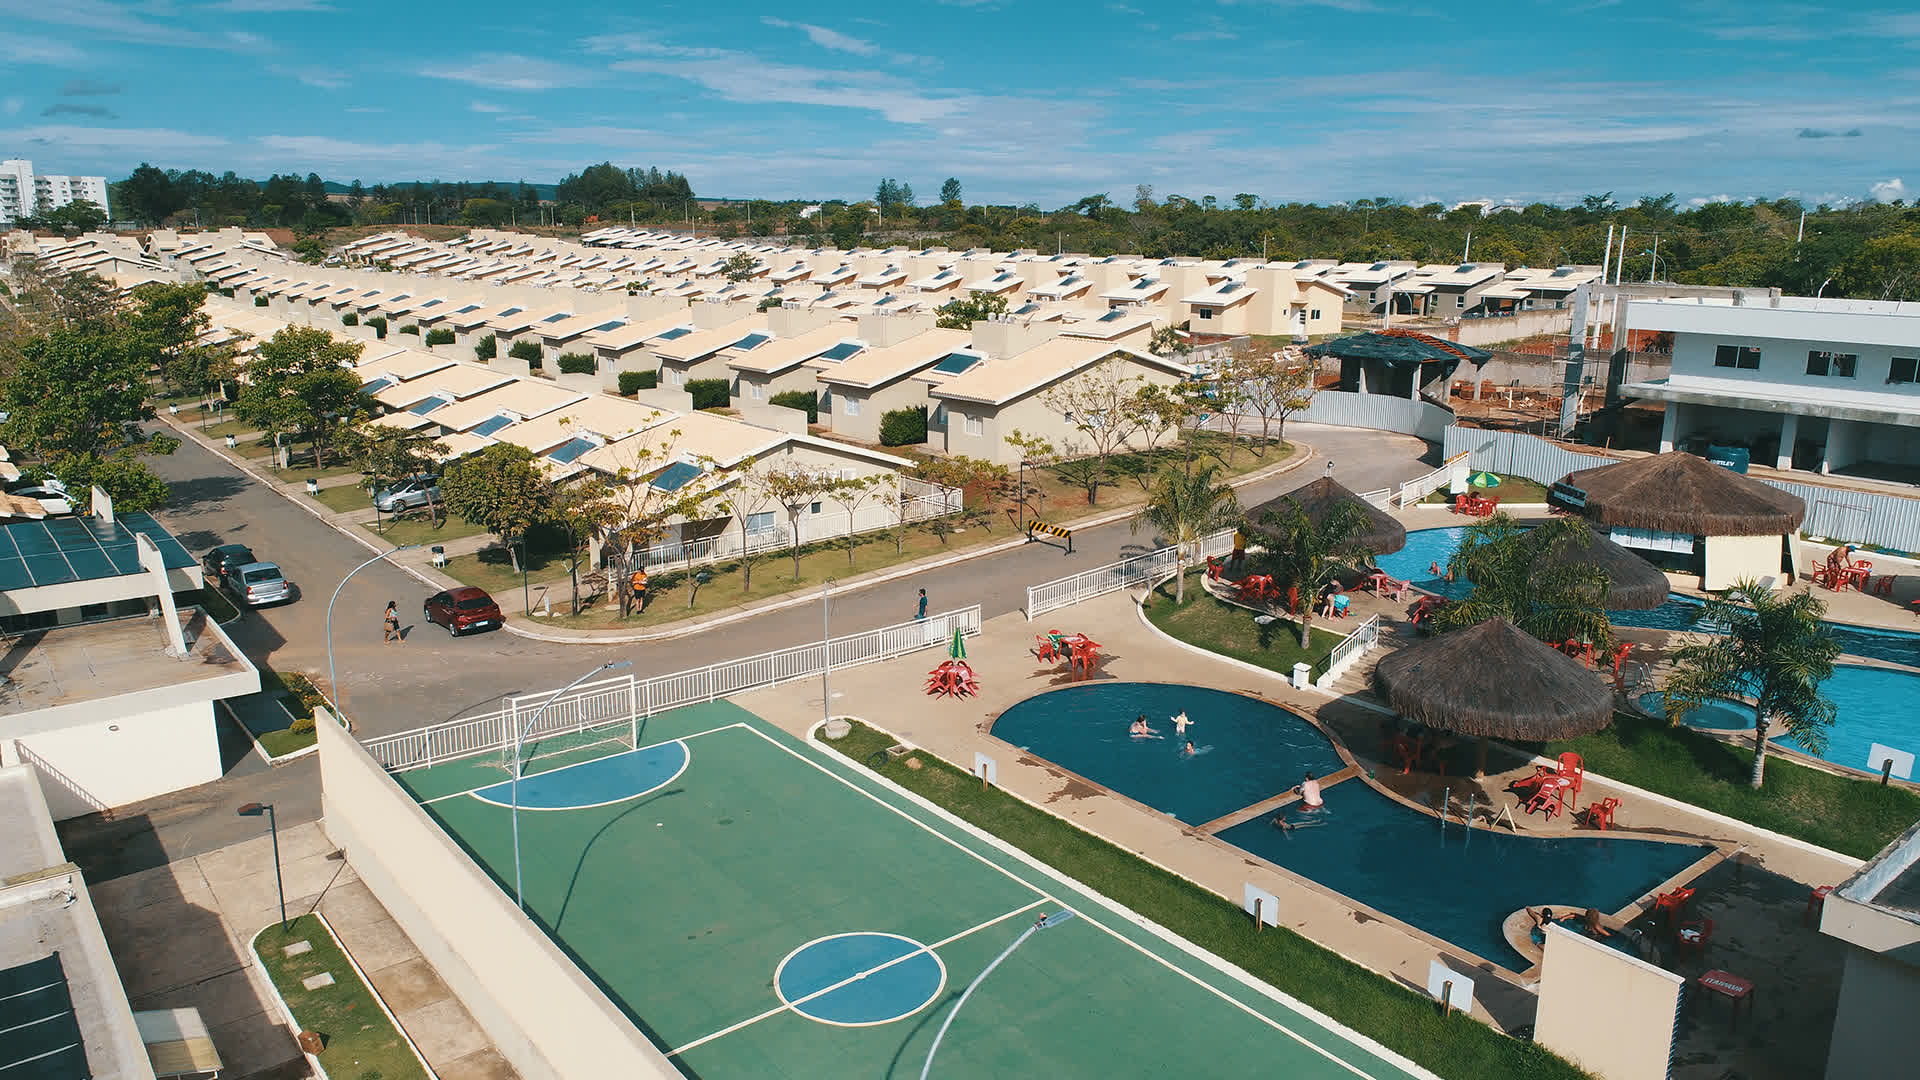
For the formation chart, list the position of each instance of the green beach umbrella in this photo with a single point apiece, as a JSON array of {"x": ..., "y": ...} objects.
[
  {"x": 959, "y": 648},
  {"x": 1484, "y": 479}
]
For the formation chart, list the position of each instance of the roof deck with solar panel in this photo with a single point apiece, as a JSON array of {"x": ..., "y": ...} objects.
[{"x": 81, "y": 561}]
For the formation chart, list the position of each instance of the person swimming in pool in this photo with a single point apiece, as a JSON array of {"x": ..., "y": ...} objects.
[
  {"x": 1310, "y": 798},
  {"x": 1140, "y": 730},
  {"x": 1188, "y": 750},
  {"x": 1180, "y": 723}
]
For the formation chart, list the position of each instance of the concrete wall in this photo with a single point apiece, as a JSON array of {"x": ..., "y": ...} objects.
[
  {"x": 541, "y": 1011},
  {"x": 1731, "y": 558},
  {"x": 1607, "y": 1012},
  {"x": 1496, "y": 328},
  {"x": 1879, "y": 997},
  {"x": 124, "y": 757},
  {"x": 873, "y": 404}
]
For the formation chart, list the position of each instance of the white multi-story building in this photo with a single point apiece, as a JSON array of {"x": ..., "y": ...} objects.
[
  {"x": 1816, "y": 384},
  {"x": 24, "y": 192}
]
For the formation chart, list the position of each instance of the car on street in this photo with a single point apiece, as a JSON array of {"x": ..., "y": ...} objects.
[
  {"x": 257, "y": 584},
  {"x": 51, "y": 494},
  {"x": 408, "y": 495},
  {"x": 462, "y": 609},
  {"x": 223, "y": 560}
]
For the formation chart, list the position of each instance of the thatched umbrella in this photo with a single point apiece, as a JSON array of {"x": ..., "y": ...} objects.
[
  {"x": 1494, "y": 680},
  {"x": 1681, "y": 493},
  {"x": 1384, "y": 535},
  {"x": 1637, "y": 584}
]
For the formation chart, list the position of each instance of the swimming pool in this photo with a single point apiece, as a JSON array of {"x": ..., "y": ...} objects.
[
  {"x": 1427, "y": 548},
  {"x": 1455, "y": 885},
  {"x": 1868, "y": 708},
  {"x": 1246, "y": 750}
]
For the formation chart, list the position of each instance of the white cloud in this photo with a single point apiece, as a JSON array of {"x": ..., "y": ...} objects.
[
  {"x": 327, "y": 150},
  {"x": 104, "y": 19},
  {"x": 367, "y": 109},
  {"x": 25, "y": 49},
  {"x": 319, "y": 78},
  {"x": 272, "y": 5},
  {"x": 1887, "y": 191},
  {"x": 484, "y": 107},
  {"x": 13, "y": 105},
  {"x": 827, "y": 38},
  {"x": 509, "y": 71},
  {"x": 128, "y": 142}
]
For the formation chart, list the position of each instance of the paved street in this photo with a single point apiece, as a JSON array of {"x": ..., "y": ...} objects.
[{"x": 430, "y": 677}]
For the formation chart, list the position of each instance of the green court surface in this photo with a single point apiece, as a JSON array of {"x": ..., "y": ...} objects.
[{"x": 682, "y": 902}]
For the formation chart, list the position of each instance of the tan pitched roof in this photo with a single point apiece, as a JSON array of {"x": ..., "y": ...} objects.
[
  {"x": 783, "y": 354},
  {"x": 703, "y": 343},
  {"x": 997, "y": 382},
  {"x": 606, "y": 417},
  {"x": 877, "y": 367},
  {"x": 525, "y": 398}
]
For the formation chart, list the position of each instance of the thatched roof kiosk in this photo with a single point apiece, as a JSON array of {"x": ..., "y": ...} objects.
[
  {"x": 1496, "y": 681},
  {"x": 1384, "y": 535},
  {"x": 1636, "y": 584}
]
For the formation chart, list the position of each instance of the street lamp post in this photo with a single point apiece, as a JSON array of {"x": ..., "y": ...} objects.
[
  {"x": 1655, "y": 257},
  {"x": 826, "y": 652},
  {"x": 333, "y": 681},
  {"x": 519, "y": 730},
  {"x": 254, "y": 809},
  {"x": 1823, "y": 289},
  {"x": 1021, "y": 498}
]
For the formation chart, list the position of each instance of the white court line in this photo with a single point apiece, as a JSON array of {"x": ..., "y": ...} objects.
[
  {"x": 795, "y": 1004},
  {"x": 577, "y": 764},
  {"x": 1196, "y": 980},
  {"x": 686, "y": 760}
]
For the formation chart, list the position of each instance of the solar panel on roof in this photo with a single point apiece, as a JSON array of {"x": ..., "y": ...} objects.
[
  {"x": 491, "y": 424},
  {"x": 468, "y": 309},
  {"x": 568, "y": 452},
  {"x": 676, "y": 332},
  {"x": 1113, "y": 316},
  {"x": 614, "y": 325},
  {"x": 676, "y": 476},
  {"x": 427, "y": 406},
  {"x": 374, "y": 386},
  {"x": 751, "y": 342},
  {"x": 511, "y": 311},
  {"x": 39, "y": 1034},
  {"x": 955, "y": 363},
  {"x": 840, "y": 352}
]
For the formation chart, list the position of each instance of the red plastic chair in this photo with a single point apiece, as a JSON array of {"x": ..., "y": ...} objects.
[
  {"x": 1693, "y": 937},
  {"x": 1214, "y": 567},
  {"x": 1816, "y": 904},
  {"x": 1547, "y": 800},
  {"x": 1619, "y": 656},
  {"x": 1463, "y": 504},
  {"x": 1672, "y": 906},
  {"x": 1574, "y": 769},
  {"x": 1600, "y": 814}
]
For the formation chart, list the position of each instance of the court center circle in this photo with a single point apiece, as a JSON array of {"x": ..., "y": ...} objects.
[{"x": 859, "y": 979}]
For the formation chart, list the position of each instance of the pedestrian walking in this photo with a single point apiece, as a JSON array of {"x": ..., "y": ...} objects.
[
  {"x": 390, "y": 622},
  {"x": 922, "y": 613}
]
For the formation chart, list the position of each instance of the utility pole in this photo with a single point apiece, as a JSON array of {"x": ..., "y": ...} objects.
[
  {"x": 1655, "y": 261},
  {"x": 1801, "y": 233},
  {"x": 1605, "y": 261},
  {"x": 1464, "y": 255},
  {"x": 1620, "y": 264}
]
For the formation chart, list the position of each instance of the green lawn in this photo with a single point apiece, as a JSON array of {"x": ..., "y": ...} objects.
[
  {"x": 1222, "y": 628},
  {"x": 1400, "y": 1019},
  {"x": 416, "y": 528},
  {"x": 344, "y": 499},
  {"x": 360, "y": 1043},
  {"x": 302, "y": 697},
  {"x": 1512, "y": 489},
  {"x": 1856, "y": 817}
]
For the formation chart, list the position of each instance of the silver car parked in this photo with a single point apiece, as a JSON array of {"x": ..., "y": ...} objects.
[
  {"x": 260, "y": 583},
  {"x": 408, "y": 495}
]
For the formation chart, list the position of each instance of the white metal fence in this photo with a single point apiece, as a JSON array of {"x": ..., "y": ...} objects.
[
  {"x": 1351, "y": 648},
  {"x": 615, "y": 701},
  {"x": 1421, "y": 486},
  {"x": 918, "y": 501},
  {"x": 1124, "y": 574}
]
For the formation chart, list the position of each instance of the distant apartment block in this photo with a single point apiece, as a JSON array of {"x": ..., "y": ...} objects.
[{"x": 24, "y": 192}]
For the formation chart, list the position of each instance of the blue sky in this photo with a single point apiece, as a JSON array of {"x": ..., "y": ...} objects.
[{"x": 1021, "y": 100}]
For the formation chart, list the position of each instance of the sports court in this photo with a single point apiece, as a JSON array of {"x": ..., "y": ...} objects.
[{"x": 761, "y": 908}]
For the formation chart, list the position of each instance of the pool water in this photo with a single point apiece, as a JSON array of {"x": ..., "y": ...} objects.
[
  {"x": 1427, "y": 548},
  {"x": 1456, "y": 886},
  {"x": 1246, "y": 750},
  {"x": 1867, "y": 710}
]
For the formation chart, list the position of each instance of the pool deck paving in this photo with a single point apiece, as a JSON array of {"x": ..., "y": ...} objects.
[{"x": 1800, "y": 964}]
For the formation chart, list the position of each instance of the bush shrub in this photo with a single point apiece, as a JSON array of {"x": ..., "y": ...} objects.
[
  {"x": 486, "y": 348},
  {"x": 799, "y": 399},
  {"x": 632, "y": 382},
  {"x": 578, "y": 363},
  {"x": 301, "y": 725},
  {"x": 526, "y": 350},
  {"x": 350, "y": 319},
  {"x": 709, "y": 393},
  {"x": 228, "y": 293},
  {"x": 439, "y": 336},
  {"x": 260, "y": 300},
  {"x": 410, "y": 328},
  {"x": 379, "y": 324},
  {"x": 904, "y": 427}
]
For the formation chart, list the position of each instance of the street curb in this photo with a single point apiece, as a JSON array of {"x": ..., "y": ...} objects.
[{"x": 689, "y": 629}]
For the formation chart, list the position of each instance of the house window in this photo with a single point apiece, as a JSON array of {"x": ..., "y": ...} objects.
[
  {"x": 760, "y": 523},
  {"x": 975, "y": 427},
  {"x": 1837, "y": 364},
  {"x": 814, "y": 508},
  {"x": 1314, "y": 314},
  {"x": 1904, "y": 369},
  {"x": 1460, "y": 301},
  {"x": 1743, "y": 357},
  {"x": 755, "y": 390},
  {"x": 851, "y": 406},
  {"x": 1203, "y": 313}
]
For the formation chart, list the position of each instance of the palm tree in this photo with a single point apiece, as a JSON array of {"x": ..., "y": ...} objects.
[
  {"x": 1775, "y": 652},
  {"x": 1186, "y": 507},
  {"x": 1515, "y": 577},
  {"x": 1309, "y": 555}
]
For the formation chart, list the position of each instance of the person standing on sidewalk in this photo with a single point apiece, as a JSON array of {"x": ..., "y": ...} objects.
[
  {"x": 922, "y": 613},
  {"x": 390, "y": 622}
]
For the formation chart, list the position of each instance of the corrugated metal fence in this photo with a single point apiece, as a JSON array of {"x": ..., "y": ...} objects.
[
  {"x": 1382, "y": 412},
  {"x": 1859, "y": 517}
]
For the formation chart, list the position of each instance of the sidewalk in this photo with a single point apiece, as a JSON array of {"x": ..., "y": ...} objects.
[
  {"x": 181, "y": 935},
  {"x": 419, "y": 561}
]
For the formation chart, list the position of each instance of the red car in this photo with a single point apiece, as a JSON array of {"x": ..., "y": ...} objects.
[{"x": 463, "y": 609}]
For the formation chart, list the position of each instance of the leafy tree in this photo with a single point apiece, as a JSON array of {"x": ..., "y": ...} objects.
[
  {"x": 795, "y": 488},
  {"x": 1516, "y": 576},
  {"x": 950, "y": 191},
  {"x": 1034, "y": 450},
  {"x": 806, "y": 401},
  {"x": 739, "y": 266},
  {"x": 528, "y": 351},
  {"x": 643, "y": 512},
  {"x": 961, "y": 312},
  {"x": 501, "y": 489},
  {"x": 311, "y": 249},
  {"x": 904, "y": 427},
  {"x": 1170, "y": 340},
  {"x": 486, "y": 348},
  {"x": 749, "y": 498},
  {"x": 75, "y": 392},
  {"x": 1273, "y": 386},
  {"x": 1185, "y": 507},
  {"x": 386, "y": 454},
  {"x": 1309, "y": 556},
  {"x": 1774, "y": 653},
  {"x": 1098, "y": 405},
  {"x": 300, "y": 384},
  {"x": 170, "y": 318},
  {"x": 856, "y": 492},
  {"x": 584, "y": 509},
  {"x": 1884, "y": 268},
  {"x": 70, "y": 219}
]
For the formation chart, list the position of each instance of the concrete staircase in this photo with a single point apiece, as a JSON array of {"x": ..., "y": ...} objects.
[{"x": 1358, "y": 678}]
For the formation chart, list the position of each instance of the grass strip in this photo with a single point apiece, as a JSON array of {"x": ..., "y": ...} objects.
[
  {"x": 1857, "y": 817},
  {"x": 1409, "y": 1024},
  {"x": 359, "y": 1041},
  {"x": 1212, "y": 624}
]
